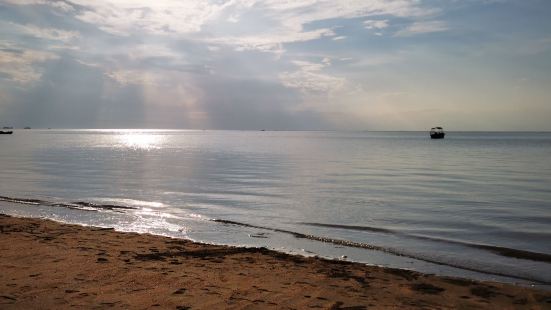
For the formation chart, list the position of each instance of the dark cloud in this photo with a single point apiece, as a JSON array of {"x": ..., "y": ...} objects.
[
  {"x": 72, "y": 95},
  {"x": 252, "y": 104}
]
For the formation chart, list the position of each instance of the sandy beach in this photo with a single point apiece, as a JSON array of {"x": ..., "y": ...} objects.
[{"x": 48, "y": 265}]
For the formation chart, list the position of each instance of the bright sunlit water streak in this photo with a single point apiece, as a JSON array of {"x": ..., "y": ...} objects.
[
  {"x": 471, "y": 188},
  {"x": 139, "y": 140}
]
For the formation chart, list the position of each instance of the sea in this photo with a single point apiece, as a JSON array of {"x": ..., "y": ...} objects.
[{"x": 475, "y": 204}]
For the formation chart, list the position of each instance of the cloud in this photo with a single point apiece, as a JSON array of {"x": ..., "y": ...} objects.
[
  {"x": 273, "y": 42},
  {"x": 141, "y": 52},
  {"x": 291, "y": 18},
  {"x": 47, "y": 33},
  {"x": 423, "y": 27},
  {"x": 250, "y": 63},
  {"x": 88, "y": 64},
  {"x": 245, "y": 24},
  {"x": 20, "y": 64},
  {"x": 310, "y": 78},
  {"x": 139, "y": 16},
  {"x": 376, "y": 24},
  {"x": 134, "y": 77},
  {"x": 300, "y": 13},
  {"x": 59, "y": 5}
]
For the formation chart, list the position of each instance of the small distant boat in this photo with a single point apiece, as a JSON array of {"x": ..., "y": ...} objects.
[
  {"x": 437, "y": 133},
  {"x": 6, "y": 132}
]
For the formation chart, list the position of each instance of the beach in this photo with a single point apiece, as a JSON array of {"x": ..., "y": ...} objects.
[
  {"x": 50, "y": 265},
  {"x": 217, "y": 154}
]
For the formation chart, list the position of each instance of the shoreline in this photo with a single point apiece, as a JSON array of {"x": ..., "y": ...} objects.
[
  {"x": 58, "y": 265},
  {"x": 470, "y": 272}
]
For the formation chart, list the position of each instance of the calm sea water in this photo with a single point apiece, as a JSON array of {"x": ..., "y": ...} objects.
[{"x": 474, "y": 204}]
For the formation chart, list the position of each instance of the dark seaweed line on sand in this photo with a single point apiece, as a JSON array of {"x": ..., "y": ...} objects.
[
  {"x": 77, "y": 205},
  {"x": 503, "y": 251},
  {"x": 382, "y": 249}
]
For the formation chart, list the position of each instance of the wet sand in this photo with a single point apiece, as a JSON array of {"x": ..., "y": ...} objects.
[{"x": 49, "y": 265}]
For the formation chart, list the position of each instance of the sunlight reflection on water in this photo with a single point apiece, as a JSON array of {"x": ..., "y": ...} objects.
[{"x": 139, "y": 140}]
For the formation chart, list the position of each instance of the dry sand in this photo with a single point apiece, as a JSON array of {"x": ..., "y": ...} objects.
[{"x": 47, "y": 265}]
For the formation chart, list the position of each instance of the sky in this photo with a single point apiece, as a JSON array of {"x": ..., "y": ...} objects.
[{"x": 276, "y": 65}]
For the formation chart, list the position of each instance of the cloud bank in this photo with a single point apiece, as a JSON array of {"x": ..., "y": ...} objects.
[{"x": 249, "y": 64}]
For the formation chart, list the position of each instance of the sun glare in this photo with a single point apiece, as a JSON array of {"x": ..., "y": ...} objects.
[{"x": 140, "y": 140}]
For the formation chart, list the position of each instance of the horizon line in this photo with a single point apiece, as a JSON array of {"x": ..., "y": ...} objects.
[{"x": 265, "y": 129}]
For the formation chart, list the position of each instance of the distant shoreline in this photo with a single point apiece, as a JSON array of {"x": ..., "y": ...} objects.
[{"x": 279, "y": 130}]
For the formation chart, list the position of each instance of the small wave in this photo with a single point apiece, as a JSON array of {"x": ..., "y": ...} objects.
[
  {"x": 386, "y": 250},
  {"x": 21, "y": 200},
  {"x": 77, "y": 205},
  {"x": 306, "y": 236},
  {"x": 351, "y": 227},
  {"x": 103, "y": 206},
  {"x": 503, "y": 251},
  {"x": 128, "y": 202}
]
